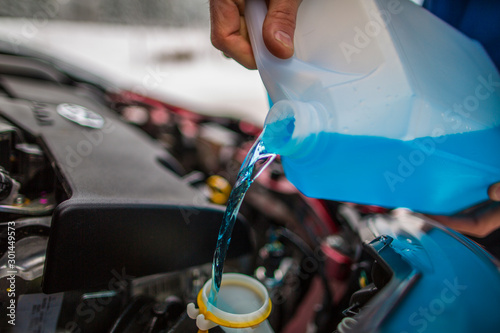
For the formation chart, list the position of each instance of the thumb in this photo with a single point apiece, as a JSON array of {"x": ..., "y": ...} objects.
[
  {"x": 494, "y": 192},
  {"x": 279, "y": 27}
]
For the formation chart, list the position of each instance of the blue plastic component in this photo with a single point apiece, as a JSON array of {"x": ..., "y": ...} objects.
[{"x": 442, "y": 282}]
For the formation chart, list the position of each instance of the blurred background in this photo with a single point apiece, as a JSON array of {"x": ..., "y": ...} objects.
[{"x": 159, "y": 48}]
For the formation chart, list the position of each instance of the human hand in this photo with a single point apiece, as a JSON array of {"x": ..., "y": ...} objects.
[
  {"x": 230, "y": 35},
  {"x": 477, "y": 226},
  {"x": 481, "y": 225},
  {"x": 494, "y": 192}
]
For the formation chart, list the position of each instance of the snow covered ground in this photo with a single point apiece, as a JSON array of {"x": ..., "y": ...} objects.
[{"x": 178, "y": 65}]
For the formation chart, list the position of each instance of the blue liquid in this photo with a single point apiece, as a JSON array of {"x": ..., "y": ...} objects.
[
  {"x": 441, "y": 175},
  {"x": 243, "y": 182}
]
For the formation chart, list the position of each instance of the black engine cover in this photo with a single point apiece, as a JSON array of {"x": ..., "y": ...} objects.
[{"x": 127, "y": 211}]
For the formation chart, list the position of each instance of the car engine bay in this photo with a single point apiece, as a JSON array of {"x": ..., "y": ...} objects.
[{"x": 116, "y": 201}]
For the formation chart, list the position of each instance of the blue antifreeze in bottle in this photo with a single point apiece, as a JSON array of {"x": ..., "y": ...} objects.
[{"x": 382, "y": 104}]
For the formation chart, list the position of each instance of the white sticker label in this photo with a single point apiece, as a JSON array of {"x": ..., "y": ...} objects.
[{"x": 38, "y": 313}]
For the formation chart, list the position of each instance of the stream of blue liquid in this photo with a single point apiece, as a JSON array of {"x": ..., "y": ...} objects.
[
  {"x": 452, "y": 172},
  {"x": 244, "y": 180}
]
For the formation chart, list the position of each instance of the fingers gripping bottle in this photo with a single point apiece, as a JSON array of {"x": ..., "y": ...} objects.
[{"x": 383, "y": 104}]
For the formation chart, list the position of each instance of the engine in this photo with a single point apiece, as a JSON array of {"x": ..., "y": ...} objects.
[{"x": 111, "y": 202}]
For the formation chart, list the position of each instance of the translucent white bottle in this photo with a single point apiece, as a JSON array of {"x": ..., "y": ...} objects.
[{"x": 383, "y": 104}]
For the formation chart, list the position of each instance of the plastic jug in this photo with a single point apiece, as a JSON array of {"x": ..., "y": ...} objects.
[{"x": 382, "y": 104}]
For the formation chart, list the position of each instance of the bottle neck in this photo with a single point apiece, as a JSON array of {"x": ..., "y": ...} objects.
[{"x": 292, "y": 127}]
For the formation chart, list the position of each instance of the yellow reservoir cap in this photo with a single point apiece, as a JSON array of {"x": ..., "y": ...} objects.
[
  {"x": 244, "y": 303},
  {"x": 219, "y": 188}
]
